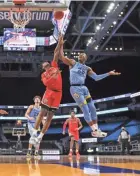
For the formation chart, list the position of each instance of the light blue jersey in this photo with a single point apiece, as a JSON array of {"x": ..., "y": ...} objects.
[
  {"x": 34, "y": 113},
  {"x": 80, "y": 92},
  {"x": 78, "y": 74},
  {"x": 31, "y": 123}
]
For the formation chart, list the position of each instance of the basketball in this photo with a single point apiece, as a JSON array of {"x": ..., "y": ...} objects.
[
  {"x": 19, "y": 2},
  {"x": 58, "y": 15}
]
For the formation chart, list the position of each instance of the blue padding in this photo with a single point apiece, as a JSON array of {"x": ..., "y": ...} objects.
[
  {"x": 87, "y": 129},
  {"x": 103, "y": 127},
  {"x": 109, "y": 126},
  {"x": 133, "y": 122},
  {"x": 54, "y": 131},
  {"x": 133, "y": 130},
  {"x": 113, "y": 137}
]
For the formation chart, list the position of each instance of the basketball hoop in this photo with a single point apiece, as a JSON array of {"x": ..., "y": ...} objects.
[{"x": 20, "y": 18}]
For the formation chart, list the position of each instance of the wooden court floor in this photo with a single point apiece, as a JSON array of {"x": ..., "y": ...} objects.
[{"x": 63, "y": 166}]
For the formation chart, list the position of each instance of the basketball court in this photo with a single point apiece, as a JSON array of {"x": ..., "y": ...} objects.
[{"x": 62, "y": 165}]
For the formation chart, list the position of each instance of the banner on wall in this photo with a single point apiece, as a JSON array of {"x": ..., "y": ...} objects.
[
  {"x": 50, "y": 152},
  {"x": 35, "y": 16}
]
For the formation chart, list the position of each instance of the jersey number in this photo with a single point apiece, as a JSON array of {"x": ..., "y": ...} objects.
[{"x": 81, "y": 71}]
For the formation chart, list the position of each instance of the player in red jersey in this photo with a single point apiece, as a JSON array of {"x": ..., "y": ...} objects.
[
  {"x": 51, "y": 78},
  {"x": 74, "y": 125}
]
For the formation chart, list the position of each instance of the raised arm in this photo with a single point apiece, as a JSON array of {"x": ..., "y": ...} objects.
[
  {"x": 96, "y": 77},
  {"x": 28, "y": 112},
  {"x": 65, "y": 60},
  {"x": 57, "y": 50}
]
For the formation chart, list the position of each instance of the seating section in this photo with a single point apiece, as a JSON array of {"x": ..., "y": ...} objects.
[
  {"x": 113, "y": 136},
  {"x": 132, "y": 127},
  {"x": 133, "y": 122},
  {"x": 103, "y": 127}
]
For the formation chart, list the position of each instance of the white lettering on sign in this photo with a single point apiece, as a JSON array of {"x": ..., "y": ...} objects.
[
  {"x": 88, "y": 140},
  {"x": 35, "y": 15}
]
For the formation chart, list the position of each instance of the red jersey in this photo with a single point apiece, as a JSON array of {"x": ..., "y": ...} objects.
[
  {"x": 52, "y": 83},
  {"x": 73, "y": 123}
]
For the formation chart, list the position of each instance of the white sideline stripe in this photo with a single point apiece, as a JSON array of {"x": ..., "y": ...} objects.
[{"x": 67, "y": 116}]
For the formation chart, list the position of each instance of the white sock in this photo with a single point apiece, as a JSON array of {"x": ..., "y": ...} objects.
[
  {"x": 94, "y": 127},
  {"x": 41, "y": 135}
]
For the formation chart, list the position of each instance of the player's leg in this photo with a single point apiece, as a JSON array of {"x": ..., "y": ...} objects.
[
  {"x": 42, "y": 113},
  {"x": 30, "y": 128},
  {"x": 36, "y": 154},
  {"x": 44, "y": 129},
  {"x": 40, "y": 116},
  {"x": 92, "y": 109},
  {"x": 77, "y": 149},
  {"x": 79, "y": 98},
  {"x": 33, "y": 137},
  {"x": 44, "y": 110},
  {"x": 53, "y": 103},
  {"x": 38, "y": 138},
  {"x": 93, "y": 113},
  {"x": 71, "y": 144},
  {"x": 76, "y": 138},
  {"x": 46, "y": 125}
]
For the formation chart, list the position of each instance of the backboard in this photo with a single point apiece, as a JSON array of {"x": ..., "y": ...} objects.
[{"x": 19, "y": 132}]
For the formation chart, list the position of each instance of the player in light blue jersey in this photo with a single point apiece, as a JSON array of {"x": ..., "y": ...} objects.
[
  {"x": 32, "y": 113},
  {"x": 80, "y": 93}
]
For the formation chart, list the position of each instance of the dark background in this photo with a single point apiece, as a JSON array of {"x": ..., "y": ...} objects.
[{"x": 20, "y": 91}]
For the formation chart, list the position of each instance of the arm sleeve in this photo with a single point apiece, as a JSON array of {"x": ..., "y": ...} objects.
[
  {"x": 54, "y": 64},
  {"x": 98, "y": 77}
]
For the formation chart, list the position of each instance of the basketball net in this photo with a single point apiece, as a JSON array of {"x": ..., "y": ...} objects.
[{"x": 19, "y": 18}]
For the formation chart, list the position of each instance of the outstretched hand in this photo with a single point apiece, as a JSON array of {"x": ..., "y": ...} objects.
[
  {"x": 61, "y": 40},
  {"x": 114, "y": 73}
]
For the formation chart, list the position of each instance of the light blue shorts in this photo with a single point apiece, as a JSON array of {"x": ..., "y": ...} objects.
[{"x": 80, "y": 94}]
